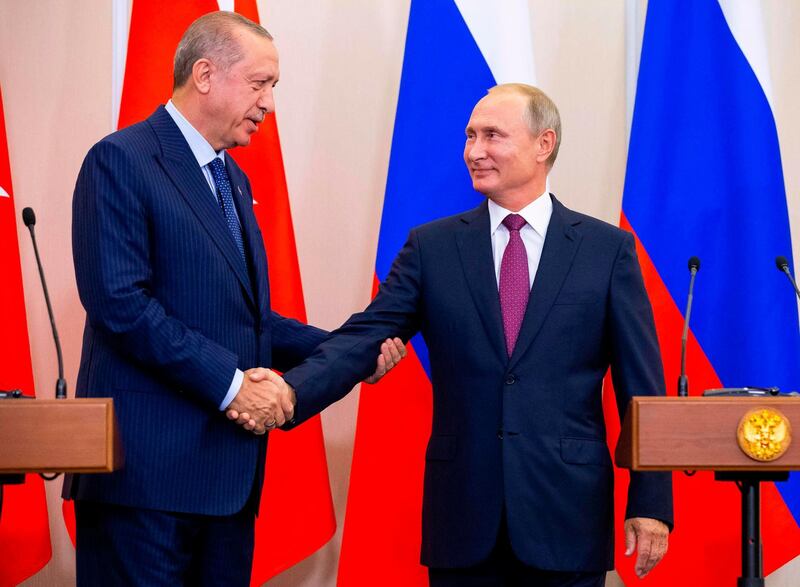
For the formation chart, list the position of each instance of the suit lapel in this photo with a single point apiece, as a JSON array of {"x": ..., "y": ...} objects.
[
  {"x": 254, "y": 244},
  {"x": 181, "y": 166},
  {"x": 560, "y": 245},
  {"x": 477, "y": 261}
]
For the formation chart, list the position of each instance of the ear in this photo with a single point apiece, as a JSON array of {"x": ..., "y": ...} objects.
[
  {"x": 547, "y": 142},
  {"x": 201, "y": 75}
]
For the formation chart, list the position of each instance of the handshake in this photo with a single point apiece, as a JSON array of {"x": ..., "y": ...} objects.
[{"x": 265, "y": 401}]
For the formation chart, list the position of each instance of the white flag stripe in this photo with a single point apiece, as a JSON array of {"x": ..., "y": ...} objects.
[
  {"x": 120, "y": 21},
  {"x": 502, "y": 31},
  {"x": 746, "y": 21}
]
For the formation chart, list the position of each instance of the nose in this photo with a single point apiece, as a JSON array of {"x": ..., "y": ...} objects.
[
  {"x": 266, "y": 101},
  {"x": 475, "y": 150}
]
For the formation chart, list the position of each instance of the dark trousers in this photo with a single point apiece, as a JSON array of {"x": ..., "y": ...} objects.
[
  {"x": 504, "y": 569},
  {"x": 119, "y": 545}
]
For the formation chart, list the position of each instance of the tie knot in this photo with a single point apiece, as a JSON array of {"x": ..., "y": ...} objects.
[
  {"x": 217, "y": 167},
  {"x": 514, "y": 222}
]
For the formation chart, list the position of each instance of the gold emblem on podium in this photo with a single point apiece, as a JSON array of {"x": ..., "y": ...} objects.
[{"x": 764, "y": 434}]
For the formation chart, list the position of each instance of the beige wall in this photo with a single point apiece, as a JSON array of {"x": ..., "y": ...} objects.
[
  {"x": 340, "y": 65},
  {"x": 55, "y": 62}
]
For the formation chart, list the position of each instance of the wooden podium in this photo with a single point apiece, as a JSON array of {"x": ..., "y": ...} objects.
[
  {"x": 703, "y": 433},
  {"x": 65, "y": 436}
]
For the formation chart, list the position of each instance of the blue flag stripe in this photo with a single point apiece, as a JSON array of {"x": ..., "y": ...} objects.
[{"x": 443, "y": 75}]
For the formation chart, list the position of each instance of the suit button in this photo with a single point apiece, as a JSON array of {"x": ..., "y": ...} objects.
[
  {"x": 511, "y": 379},
  {"x": 500, "y": 434}
]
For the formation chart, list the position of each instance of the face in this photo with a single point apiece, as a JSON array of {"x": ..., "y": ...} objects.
[
  {"x": 238, "y": 99},
  {"x": 503, "y": 156}
]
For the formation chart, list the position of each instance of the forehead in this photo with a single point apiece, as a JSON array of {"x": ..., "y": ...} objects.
[
  {"x": 499, "y": 109},
  {"x": 259, "y": 53}
]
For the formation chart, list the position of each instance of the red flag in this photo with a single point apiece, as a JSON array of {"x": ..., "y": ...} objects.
[
  {"x": 24, "y": 529},
  {"x": 299, "y": 457},
  {"x": 384, "y": 504},
  {"x": 703, "y": 507}
]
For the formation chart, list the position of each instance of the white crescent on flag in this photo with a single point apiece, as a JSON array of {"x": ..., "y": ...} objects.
[{"x": 3, "y": 193}]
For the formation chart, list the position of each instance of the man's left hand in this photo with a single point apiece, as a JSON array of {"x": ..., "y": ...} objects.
[
  {"x": 392, "y": 352},
  {"x": 650, "y": 538}
]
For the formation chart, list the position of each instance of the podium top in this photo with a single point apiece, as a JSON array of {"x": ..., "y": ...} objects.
[
  {"x": 700, "y": 433},
  {"x": 68, "y": 435}
]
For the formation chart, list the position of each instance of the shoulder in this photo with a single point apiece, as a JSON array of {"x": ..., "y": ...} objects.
[
  {"x": 137, "y": 140},
  {"x": 591, "y": 227},
  {"x": 137, "y": 136},
  {"x": 448, "y": 224},
  {"x": 128, "y": 145}
]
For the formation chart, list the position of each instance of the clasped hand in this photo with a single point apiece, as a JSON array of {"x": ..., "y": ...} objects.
[{"x": 265, "y": 401}]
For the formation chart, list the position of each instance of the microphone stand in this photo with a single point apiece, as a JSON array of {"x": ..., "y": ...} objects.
[{"x": 29, "y": 219}]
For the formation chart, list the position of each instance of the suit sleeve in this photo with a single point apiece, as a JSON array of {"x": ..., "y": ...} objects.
[
  {"x": 348, "y": 356},
  {"x": 636, "y": 369},
  {"x": 292, "y": 341},
  {"x": 111, "y": 251}
]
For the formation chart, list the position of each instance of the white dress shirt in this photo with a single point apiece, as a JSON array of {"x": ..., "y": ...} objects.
[
  {"x": 205, "y": 154},
  {"x": 537, "y": 215}
]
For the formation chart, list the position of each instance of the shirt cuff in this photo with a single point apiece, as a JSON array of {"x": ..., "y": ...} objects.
[{"x": 236, "y": 384}]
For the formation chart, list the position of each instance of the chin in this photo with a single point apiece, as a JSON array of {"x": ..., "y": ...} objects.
[
  {"x": 241, "y": 142},
  {"x": 481, "y": 187}
]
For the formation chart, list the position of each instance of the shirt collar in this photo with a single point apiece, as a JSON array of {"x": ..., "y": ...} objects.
[
  {"x": 537, "y": 214},
  {"x": 201, "y": 148}
]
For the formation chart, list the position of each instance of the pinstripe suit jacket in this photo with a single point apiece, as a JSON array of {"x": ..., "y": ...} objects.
[{"x": 171, "y": 311}]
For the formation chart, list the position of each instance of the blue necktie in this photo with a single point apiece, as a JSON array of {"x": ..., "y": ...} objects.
[{"x": 220, "y": 175}]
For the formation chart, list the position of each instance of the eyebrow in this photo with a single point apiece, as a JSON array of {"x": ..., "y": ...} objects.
[{"x": 485, "y": 129}]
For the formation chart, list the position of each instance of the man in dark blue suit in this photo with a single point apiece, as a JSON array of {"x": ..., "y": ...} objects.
[
  {"x": 524, "y": 305},
  {"x": 172, "y": 271}
]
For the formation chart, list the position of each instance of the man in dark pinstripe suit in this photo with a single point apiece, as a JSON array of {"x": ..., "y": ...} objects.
[{"x": 172, "y": 273}]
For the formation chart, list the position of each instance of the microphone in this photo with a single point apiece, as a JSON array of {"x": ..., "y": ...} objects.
[
  {"x": 29, "y": 218},
  {"x": 783, "y": 266},
  {"x": 683, "y": 381}
]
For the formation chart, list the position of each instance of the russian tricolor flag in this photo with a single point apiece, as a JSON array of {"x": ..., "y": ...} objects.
[{"x": 704, "y": 178}]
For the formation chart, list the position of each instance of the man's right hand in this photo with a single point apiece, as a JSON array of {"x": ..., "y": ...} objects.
[{"x": 265, "y": 399}]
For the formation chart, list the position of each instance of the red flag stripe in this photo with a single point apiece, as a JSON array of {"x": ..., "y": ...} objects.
[
  {"x": 705, "y": 542},
  {"x": 24, "y": 527},
  {"x": 384, "y": 506},
  {"x": 298, "y": 457}
]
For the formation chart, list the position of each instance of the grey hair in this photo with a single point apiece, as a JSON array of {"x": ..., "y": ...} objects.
[
  {"x": 540, "y": 114},
  {"x": 212, "y": 36}
]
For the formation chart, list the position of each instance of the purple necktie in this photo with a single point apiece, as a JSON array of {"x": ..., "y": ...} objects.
[{"x": 514, "y": 281}]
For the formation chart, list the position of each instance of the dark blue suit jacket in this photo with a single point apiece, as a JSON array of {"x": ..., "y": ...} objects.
[
  {"x": 172, "y": 310},
  {"x": 527, "y": 432}
]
